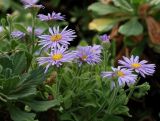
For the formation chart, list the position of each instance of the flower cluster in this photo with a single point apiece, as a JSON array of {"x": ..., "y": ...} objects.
[
  {"x": 89, "y": 54},
  {"x": 56, "y": 44},
  {"x": 19, "y": 35},
  {"x": 127, "y": 73}
]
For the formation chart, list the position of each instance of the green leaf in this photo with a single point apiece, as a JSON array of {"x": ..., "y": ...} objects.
[
  {"x": 131, "y": 28},
  {"x": 1, "y": 68},
  {"x": 138, "y": 2},
  {"x": 19, "y": 115},
  {"x": 5, "y": 45},
  {"x": 66, "y": 117},
  {"x": 142, "y": 90},
  {"x": 138, "y": 50},
  {"x": 103, "y": 9},
  {"x": 14, "y": 44},
  {"x": 129, "y": 42},
  {"x": 43, "y": 105},
  {"x": 124, "y": 4},
  {"x": 154, "y": 2},
  {"x": 112, "y": 118},
  {"x": 26, "y": 86},
  {"x": 6, "y": 62},
  {"x": 5, "y": 4},
  {"x": 20, "y": 62},
  {"x": 68, "y": 99},
  {"x": 155, "y": 8},
  {"x": 7, "y": 72},
  {"x": 22, "y": 47},
  {"x": 29, "y": 59},
  {"x": 122, "y": 110},
  {"x": 10, "y": 84},
  {"x": 56, "y": 2},
  {"x": 20, "y": 28}
]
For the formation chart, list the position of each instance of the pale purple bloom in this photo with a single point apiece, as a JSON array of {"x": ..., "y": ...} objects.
[
  {"x": 37, "y": 31},
  {"x": 140, "y": 67},
  {"x": 105, "y": 38},
  {"x": 49, "y": 17},
  {"x": 1, "y": 29},
  {"x": 57, "y": 38},
  {"x": 31, "y": 4},
  {"x": 123, "y": 75},
  {"x": 89, "y": 54},
  {"x": 97, "y": 49},
  {"x": 17, "y": 34},
  {"x": 29, "y": 1},
  {"x": 56, "y": 57}
]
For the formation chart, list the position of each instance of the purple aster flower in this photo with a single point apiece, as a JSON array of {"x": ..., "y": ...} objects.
[
  {"x": 49, "y": 17},
  {"x": 57, "y": 37},
  {"x": 97, "y": 49},
  {"x": 140, "y": 67},
  {"x": 56, "y": 57},
  {"x": 89, "y": 54},
  {"x": 17, "y": 34},
  {"x": 105, "y": 38},
  {"x": 31, "y": 4},
  {"x": 123, "y": 75},
  {"x": 38, "y": 31}
]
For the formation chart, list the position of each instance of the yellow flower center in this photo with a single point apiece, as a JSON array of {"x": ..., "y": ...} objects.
[
  {"x": 120, "y": 74},
  {"x": 84, "y": 57},
  {"x": 57, "y": 57},
  {"x": 56, "y": 37},
  {"x": 135, "y": 65}
]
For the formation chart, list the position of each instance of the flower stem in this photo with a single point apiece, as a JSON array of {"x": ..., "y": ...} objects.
[
  {"x": 9, "y": 20},
  {"x": 132, "y": 88},
  {"x": 33, "y": 33},
  {"x": 113, "y": 98},
  {"x": 58, "y": 82},
  {"x": 75, "y": 83}
]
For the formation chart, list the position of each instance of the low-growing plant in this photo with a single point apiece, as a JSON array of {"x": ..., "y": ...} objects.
[
  {"x": 39, "y": 71},
  {"x": 134, "y": 23}
]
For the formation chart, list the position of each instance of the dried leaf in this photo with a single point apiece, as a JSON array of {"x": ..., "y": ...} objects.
[
  {"x": 138, "y": 38},
  {"x": 143, "y": 9},
  {"x": 52, "y": 78},
  {"x": 153, "y": 30},
  {"x": 115, "y": 35},
  {"x": 105, "y": 1}
]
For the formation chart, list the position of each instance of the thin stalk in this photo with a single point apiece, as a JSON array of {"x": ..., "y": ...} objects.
[
  {"x": 78, "y": 71},
  {"x": 132, "y": 88},
  {"x": 58, "y": 82},
  {"x": 113, "y": 98},
  {"x": 10, "y": 30},
  {"x": 9, "y": 20},
  {"x": 106, "y": 55},
  {"x": 33, "y": 33}
]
